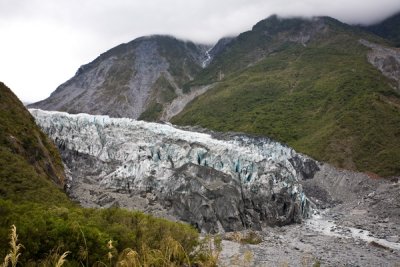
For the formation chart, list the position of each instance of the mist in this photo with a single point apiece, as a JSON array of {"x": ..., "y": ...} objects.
[{"x": 44, "y": 41}]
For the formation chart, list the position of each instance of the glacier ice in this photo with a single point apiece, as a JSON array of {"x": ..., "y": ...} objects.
[{"x": 254, "y": 179}]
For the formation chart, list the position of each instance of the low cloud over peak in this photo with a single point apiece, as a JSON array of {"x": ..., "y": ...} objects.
[{"x": 45, "y": 41}]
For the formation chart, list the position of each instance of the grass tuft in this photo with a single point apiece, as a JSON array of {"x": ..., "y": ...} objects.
[
  {"x": 15, "y": 248},
  {"x": 62, "y": 259}
]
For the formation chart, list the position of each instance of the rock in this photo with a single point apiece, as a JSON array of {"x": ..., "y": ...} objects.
[
  {"x": 130, "y": 79},
  {"x": 306, "y": 168},
  {"x": 393, "y": 238},
  {"x": 386, "y": 59}
]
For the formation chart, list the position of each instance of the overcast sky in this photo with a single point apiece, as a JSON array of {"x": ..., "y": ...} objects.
[{"x": 43, "y": 42}]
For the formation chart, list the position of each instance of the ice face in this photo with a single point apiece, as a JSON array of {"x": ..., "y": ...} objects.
[
  {"x": 137, "y": 150},
  {"x": 162, "y": 145}
]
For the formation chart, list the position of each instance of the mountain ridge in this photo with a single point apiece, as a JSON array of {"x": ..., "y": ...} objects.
[
  {"x": 388, "y": 28},
  {"x": 125, "y": 80},
  {"x": 312, "y": 90},
  {"x": 280, "y": 63}
]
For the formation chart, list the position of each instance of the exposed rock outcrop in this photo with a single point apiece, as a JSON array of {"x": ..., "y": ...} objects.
[
  {"x": 179, "y": 103},
  {"x": 385, "y": 59},
  {"x": 214, "y": 184},
  {"x": 142, "y": 75}
]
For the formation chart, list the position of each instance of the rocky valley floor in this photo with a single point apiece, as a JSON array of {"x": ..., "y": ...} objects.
[
  {"x": 317, "y": 240},
  {"x": 362, "y": 230}
]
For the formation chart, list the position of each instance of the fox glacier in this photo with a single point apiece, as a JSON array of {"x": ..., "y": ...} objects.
[{"x": 216, "y": 182}]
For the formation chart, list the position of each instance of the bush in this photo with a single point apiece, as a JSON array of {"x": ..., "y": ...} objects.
[{"x": 85, "y": 232}]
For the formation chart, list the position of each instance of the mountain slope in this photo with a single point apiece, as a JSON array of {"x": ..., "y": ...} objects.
[
  {"x": 307, "y": 83},
  {"x": 30, "y": 165},
  {"x": 131, "y": 80},
  {"x": 388, "y": 29}
]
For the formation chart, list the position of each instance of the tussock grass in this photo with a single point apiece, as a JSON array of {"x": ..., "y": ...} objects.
[
  {"x": 171, "y": 253},
  {"x": 15, "y": 249}
]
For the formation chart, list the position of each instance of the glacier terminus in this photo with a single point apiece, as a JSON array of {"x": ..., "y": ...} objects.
[{"x": 216, "y": 182}]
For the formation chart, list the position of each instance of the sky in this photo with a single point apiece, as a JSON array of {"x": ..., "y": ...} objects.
[{"x": 43, "y": 42}]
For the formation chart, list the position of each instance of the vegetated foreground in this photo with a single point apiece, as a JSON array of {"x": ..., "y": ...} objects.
[{"x": 48, "y": 223}]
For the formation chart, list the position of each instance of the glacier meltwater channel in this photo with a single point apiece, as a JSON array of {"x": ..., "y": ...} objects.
[{"x": 217, "y": 182}]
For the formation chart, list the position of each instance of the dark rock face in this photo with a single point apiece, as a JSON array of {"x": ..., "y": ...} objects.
[
  {"x": 229, "y": 183},
  {"x": 306, "y": 168},
  {"x": 214, "y": 201},
  {"x": 220, "y": 46},
  {"x": 206, "y": 198}
]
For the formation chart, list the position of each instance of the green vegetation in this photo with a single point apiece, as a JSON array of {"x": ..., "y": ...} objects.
[
  {"x": 162, "y": 92},
  {"x": 21, "y": 138},
  {"x": 325, "y": 99},
  {"x": 48, "y": 223},
  {"x": 169, "y": 253},
  {"x": 152, "y": 113},
  {"x": 85, "y": 232}
]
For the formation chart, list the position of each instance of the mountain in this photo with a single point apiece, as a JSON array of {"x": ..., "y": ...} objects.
[
  {"x": 317, "y": 85},
  {"x": 326, "y": 88},
  {"x": 32, "y": 180},
  {"x": 134, "y": 80},
  {"x": 388, "y": 29}
]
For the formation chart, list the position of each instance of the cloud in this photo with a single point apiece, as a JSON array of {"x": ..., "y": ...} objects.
[{"x": 45, "y": 41}]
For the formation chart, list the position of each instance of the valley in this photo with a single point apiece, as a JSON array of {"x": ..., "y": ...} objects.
[
  {"x": 325, "y": 88},
  {"x": 301, "y": 209},
  {"x": 278, "y": 146},
  {"x": 359, "y": 227}
]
